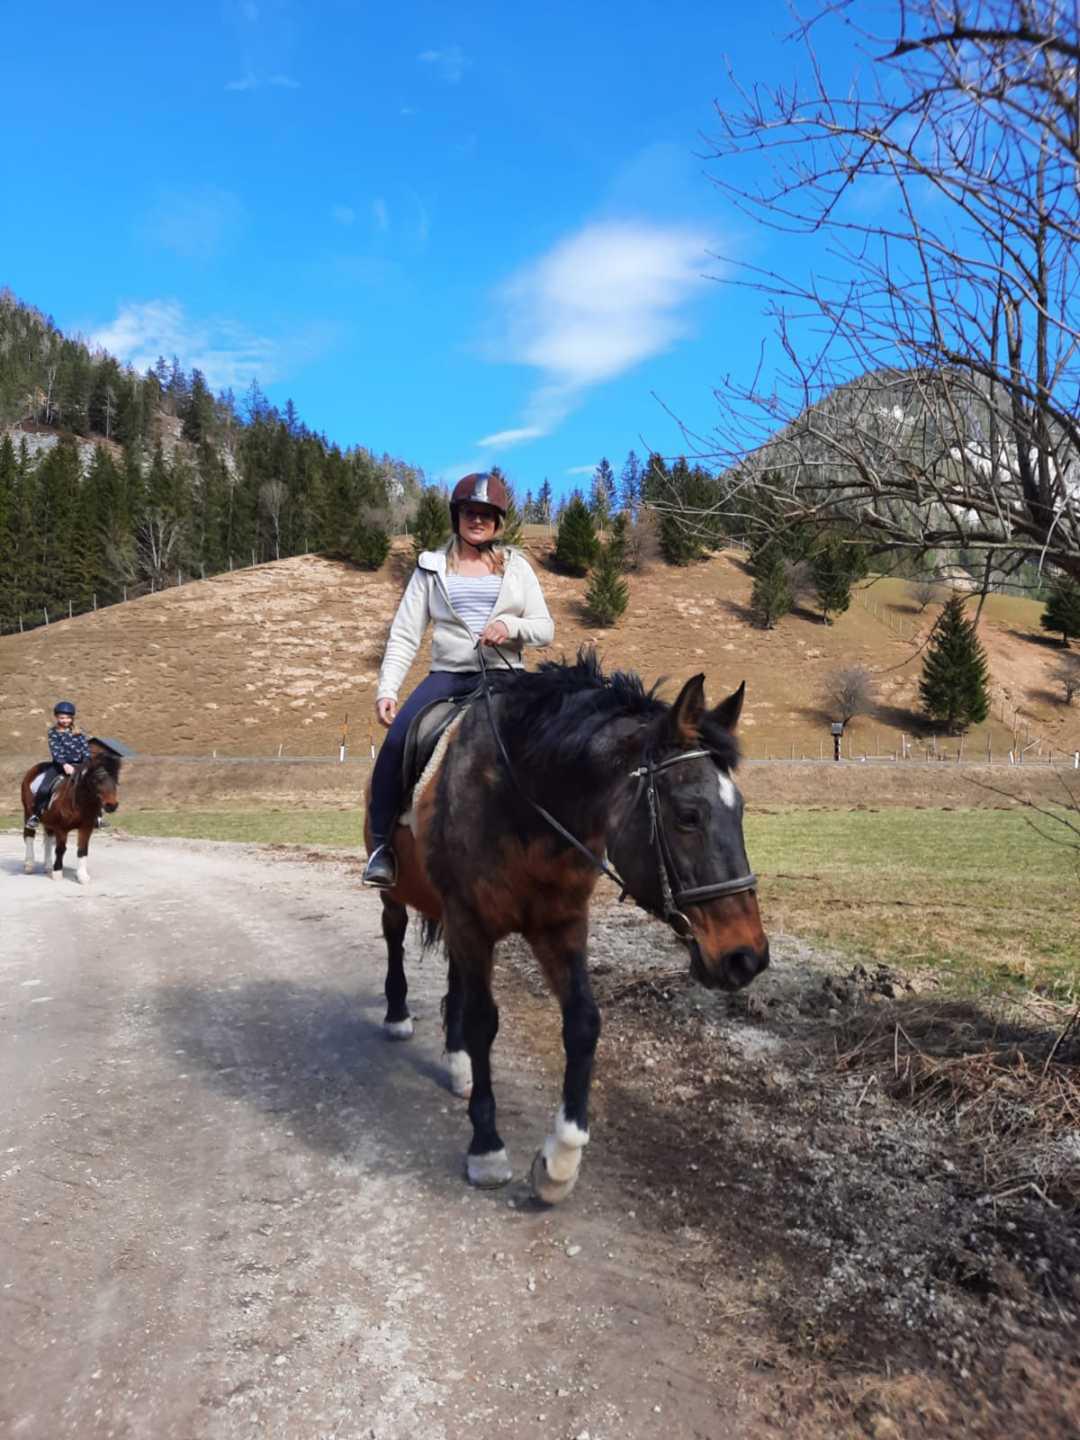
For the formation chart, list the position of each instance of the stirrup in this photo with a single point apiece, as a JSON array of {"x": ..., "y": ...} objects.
[{"x": 381, "y": 869}]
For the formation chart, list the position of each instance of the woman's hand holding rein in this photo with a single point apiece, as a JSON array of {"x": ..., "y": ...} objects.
[{"x": 385, "y": 710}]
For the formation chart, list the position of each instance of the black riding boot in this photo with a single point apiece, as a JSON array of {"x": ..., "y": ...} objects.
[{"x": 381, "y": 868}]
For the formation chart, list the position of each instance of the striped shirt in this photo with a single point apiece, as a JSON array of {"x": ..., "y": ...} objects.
[{"x": 473, "y": 598}]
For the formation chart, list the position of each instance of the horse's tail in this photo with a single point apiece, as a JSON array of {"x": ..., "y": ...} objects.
[{"x": 431, "y": 932}]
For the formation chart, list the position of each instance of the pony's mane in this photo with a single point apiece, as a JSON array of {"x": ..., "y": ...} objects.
[
  {"x": 104, "y": 761},
  {"x": 554, "y": 713}
]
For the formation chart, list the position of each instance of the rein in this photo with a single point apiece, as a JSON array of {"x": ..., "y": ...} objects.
[{"x": 673, "y": 895}]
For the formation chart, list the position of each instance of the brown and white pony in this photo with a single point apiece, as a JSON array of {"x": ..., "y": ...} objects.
[
  {"x": 646, "y": 783},
  {"x": 76, "y": 803}
]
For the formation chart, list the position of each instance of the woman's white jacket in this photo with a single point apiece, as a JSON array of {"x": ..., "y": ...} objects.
[{"x": 520, "y": 606}]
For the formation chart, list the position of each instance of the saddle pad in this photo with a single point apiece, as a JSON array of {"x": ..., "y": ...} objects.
[
  {"x": 408, "y": 818},
  {"x": 35, "y": 784}
]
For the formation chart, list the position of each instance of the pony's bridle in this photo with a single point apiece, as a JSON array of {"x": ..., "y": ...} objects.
[{"x": 673, "y": 895}]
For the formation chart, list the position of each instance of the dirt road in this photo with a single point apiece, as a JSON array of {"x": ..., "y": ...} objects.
[{"x": 230, "y": 1207}]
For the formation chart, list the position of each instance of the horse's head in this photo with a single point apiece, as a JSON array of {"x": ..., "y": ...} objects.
[
  {"x": 677, "y": 838},
  {"x": 102, "y": 776}
]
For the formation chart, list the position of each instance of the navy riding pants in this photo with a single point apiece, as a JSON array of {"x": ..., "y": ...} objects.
[{"x": 386, "y": 781}]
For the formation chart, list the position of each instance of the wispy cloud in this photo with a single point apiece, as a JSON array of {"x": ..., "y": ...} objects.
[
  {"x": 451, "y": 62},
  {"x": 196, "y": 222},
  {"x": 224, "y": 351},
  {"x": 251, "y": 81},
  {"x": 343, "y": 214},
  {"x": 381, "y": 213},
  {"x": 597, "y": 304},
  {"x": 580, "y": 470}
]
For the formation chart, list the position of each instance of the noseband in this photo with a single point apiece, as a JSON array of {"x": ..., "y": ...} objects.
[{"x": 672, "y": 893}]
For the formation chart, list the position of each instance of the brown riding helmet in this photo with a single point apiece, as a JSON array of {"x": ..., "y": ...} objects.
[{"x": 479, "y": 489}]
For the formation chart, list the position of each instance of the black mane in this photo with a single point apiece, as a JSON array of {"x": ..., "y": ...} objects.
[{"x": 551, "y": 716}]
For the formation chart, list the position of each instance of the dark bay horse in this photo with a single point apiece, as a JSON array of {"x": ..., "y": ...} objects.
[
  {"x": 76, "y": 804},
  {"x": 649, "y": 784}
]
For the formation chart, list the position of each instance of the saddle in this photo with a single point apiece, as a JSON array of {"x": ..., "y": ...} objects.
[{"x": 427, "y": 729}]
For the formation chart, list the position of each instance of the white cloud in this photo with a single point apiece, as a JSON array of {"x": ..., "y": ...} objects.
[
  {"x": 451, "y": 63},
  {"x": 580, "y": 470},
  {"x": 381, "y": 213},
  {"x": 224, "y": 351},
  {"x": 343, "y": 214},
  {"x": 196, "y": 222},
  {"x": 250, "y": 81},
  {"x": 600, "y": 302}
]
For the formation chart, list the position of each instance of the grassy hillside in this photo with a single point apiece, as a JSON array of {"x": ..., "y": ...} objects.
[{"x": 276, "y": 655}]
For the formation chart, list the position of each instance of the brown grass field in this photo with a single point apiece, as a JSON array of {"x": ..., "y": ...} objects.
[{"x": 277, "y": 656}]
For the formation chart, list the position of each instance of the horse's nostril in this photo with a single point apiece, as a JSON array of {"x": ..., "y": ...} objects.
[
  {"x": 115, "y": 805},
  {"x": 745, "y": 963}
]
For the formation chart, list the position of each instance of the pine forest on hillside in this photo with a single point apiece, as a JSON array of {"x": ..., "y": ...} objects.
[{"x": 151, "y": 478}]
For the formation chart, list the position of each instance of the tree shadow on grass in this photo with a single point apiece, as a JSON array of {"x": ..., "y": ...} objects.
[{"x": 1044, "y": 639}]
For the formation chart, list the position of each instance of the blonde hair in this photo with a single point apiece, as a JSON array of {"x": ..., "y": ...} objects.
[{"x": 495, "y": 556}]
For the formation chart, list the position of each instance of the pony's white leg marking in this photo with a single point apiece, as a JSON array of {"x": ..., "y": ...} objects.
[
  {"x": 82, "y": 874},
  {"x": 398, "y": 1029},
  {"x": 488, "y": 1171},
  {"x": 47, "y": 855},
  {"x": 555, "y": 1169},
  {"x": 28, "y": 863},
  {"x": 460, "y": 1067},
  {"x": 728, "y": 793}
]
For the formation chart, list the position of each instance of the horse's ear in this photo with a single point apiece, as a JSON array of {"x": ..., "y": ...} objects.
[
  {"x": 727, "y": 713},
  {"x": 685, "y": 716}
]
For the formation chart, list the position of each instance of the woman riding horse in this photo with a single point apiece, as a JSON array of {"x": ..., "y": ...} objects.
[{"x": 477, "y": 593}]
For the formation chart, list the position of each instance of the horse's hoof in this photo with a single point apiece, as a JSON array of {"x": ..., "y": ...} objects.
[
  {"x": 398, "y": 1029},
  {"x": 55, "y": 874},
  {"x": 488, "y": 1172},
  {"x": 551, "y": 1192},
  {"x": 460, "y": 1068},
  {"x": 82, "y": 877},
  {"x": 28, "y": 867}
]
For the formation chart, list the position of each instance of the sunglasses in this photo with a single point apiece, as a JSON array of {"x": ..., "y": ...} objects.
[{"x": 476, "y": 512}]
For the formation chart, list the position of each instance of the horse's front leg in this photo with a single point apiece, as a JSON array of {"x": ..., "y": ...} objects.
[
  {"x": 57, "y": 871},
  {"x": 561, "y": 954},
  {"x": 82, "y": 874},
  {"x": 398, "y": 1023},
  {"x": 471, "y": 954},
  {"x": 29, "y": 861}
]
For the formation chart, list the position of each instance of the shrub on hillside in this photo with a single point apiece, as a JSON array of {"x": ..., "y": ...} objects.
[
  {"x": 369, "y": 545},
  {"x": 608, "y": 594},
  {"x": 576, "y": 545},
  {"x": 1062, "y": 613},
  {"x": 955, "y": 678},
  {"x": 771, "y": 596},
  {"x": 1067, "y": 674},
  {"x": 431, "y": 523}
]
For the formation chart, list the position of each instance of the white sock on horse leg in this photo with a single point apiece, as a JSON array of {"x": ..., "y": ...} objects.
[{"x": 562, "y": 1149}]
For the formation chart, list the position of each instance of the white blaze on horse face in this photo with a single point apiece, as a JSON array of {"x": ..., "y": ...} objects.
[{"x": 729, "y": 795}]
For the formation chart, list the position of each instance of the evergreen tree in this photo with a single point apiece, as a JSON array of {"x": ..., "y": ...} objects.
[
  {"x": 1062, "y": 612},
  {"x": 831, "y": 571},
  {"x": 369, "y": 545},
  {"x": 431, "y": 524},
  {"x": 608, "y": 594},
  {"x": 771, "y": 596},
  {"x": 619, "y": 543},
  {"x": 630, "y": 483},
  {"x": 543, "y": 503},
  {"x": 955, "y": 675},
  {"x": 602, "y": 501},
  {"x": 576, "y": 545},
  {"x": 511, "y": 532}
]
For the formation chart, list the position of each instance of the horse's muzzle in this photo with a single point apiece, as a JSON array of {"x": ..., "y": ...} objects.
[
  {"x": 734, "y": 970},
  {"x": 114, "y": 806}
]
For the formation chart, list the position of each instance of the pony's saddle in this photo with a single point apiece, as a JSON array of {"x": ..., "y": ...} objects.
[{"x": 428, "y": 727}]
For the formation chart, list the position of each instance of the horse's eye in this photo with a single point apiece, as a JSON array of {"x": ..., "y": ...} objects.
[{"x": 687, "y": 817}]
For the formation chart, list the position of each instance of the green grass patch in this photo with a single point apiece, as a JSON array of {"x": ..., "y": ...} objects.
[
  {"x": 282, "y": 827},
  {"x": 977, "y": 895}
]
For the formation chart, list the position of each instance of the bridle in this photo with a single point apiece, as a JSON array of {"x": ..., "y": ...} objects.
[{"x": 673, "y": 894}]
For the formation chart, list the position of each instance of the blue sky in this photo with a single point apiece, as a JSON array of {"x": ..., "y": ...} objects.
[{"x": 460, "y": 234}]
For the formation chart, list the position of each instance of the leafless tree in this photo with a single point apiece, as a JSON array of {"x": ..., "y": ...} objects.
[
  {"x": 924, "y": 591},
  {"x": 929, "y": 391},
  {"x": 1067, "y": 674},
  {"x": 272, "y": 497},
  {"x": 848, "y": 692}
]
